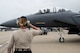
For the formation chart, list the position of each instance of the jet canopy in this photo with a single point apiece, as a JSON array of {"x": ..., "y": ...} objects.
[{"x": 44, "y": 11}]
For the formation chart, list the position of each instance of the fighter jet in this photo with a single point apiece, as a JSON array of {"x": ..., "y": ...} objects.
[{"x": 62, "y": 18}]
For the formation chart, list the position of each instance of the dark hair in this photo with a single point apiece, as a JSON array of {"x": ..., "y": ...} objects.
[{"x": 23, "y": 17}]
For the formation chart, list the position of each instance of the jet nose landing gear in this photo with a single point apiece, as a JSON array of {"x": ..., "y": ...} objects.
[{"x": 61, "y": 39}]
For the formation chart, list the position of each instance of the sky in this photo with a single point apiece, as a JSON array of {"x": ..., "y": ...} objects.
[{"x": 11, "y": 9}]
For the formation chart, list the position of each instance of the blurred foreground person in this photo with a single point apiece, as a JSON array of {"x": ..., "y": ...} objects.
[{"x": 22, "y": 38}]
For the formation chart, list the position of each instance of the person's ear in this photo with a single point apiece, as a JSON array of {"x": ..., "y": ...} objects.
[{"x": 17, "y": 22}]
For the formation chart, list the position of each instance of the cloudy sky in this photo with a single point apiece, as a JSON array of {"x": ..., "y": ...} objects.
[{"x": 10, "y": 9}]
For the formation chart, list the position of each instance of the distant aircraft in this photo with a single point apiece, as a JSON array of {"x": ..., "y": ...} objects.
[
  {"x": 2, "y": 28},
  {"x": 62, "y": 19}
]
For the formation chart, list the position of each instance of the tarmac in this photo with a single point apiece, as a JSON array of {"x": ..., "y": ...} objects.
[{"x": 47, "y": 43}]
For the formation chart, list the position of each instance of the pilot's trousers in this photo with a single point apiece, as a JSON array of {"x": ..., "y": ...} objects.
[{"x": 22, "y": 51}]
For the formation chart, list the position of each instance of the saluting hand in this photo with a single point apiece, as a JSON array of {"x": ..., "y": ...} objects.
[{"x": 34, "y": 27}]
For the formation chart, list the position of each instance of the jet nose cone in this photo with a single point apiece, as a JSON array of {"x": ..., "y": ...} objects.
[
  {"x": 11, "y": 23},
  {"x": 1, "y": 25}
]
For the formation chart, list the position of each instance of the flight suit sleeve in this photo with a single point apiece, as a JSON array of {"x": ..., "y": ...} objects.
[
  {"x": 37, "y": 32},
  {"x": 10, "y": 43}
]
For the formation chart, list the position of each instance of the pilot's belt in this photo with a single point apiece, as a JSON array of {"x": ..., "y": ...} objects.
[{"x": 20, "y": 49}]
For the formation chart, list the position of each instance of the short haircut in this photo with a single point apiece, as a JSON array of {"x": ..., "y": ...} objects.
[{"x": 23, "y": 17}]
